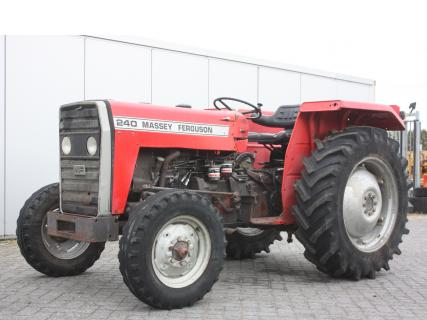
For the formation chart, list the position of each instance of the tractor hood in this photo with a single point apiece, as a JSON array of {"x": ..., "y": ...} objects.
[
  {"x": 139, "y": 126},
  {"x": 148, "y": 125}
]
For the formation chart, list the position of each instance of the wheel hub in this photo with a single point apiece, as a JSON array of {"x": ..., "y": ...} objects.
[
  {"x": 370, "y": 204},
  {"x": 362, "y": 203},
  {"x": 180, "y": 252},
  {"x": 65, "y": 249}
]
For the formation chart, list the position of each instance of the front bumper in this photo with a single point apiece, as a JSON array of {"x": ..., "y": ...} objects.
[{"x": 82, "y": 228}]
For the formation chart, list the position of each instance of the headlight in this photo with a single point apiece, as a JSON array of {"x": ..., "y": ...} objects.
[
  {"x": 66, "y": 145},
  {"x": 91, "y": 146}
]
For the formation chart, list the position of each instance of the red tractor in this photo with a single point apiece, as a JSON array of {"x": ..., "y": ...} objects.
[{"x": 184, "y": 186}]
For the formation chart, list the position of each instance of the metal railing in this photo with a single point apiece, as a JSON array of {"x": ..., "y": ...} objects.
[{"x": 410, "y": 145}]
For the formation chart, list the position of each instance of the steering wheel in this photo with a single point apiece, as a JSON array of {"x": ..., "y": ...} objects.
[{"x": 255, "y": 113}]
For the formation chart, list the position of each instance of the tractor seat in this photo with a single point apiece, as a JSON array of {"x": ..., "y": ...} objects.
[
  {"x": 270, "y": 138},
  {"x": 283, "y": 117}
]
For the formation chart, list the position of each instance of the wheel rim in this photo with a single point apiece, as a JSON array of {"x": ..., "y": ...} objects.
[
  {"x": 61, "y": 248},
  {"x": 181, "y": 251},
  {"x": 370, "y": 204},
  {"x": 249, "y": 232}
]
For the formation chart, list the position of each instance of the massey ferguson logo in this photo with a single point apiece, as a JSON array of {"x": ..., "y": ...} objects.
[
  {"x": 79, "y": 170},
  {"x": 164, "y": 126}
]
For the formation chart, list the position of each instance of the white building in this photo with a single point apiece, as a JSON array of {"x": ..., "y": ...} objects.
[{"x": 38, "y": 74}]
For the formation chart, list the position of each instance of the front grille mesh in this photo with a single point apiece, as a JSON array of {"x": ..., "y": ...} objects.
[{"x": 79, "y": 193}]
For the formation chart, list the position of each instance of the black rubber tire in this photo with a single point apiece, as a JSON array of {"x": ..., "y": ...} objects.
[
  {"x": 139, "y": 234},
  {"x": 30, "y": 240},
  {"x": 241, "y": 246},
  {"x": 319, "y": 195},
  {"x": 419, "y": 204},
  {"x": 420, "y": 192}
]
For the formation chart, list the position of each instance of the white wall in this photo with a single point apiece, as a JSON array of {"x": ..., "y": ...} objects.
[
  {"x": 42, "y": 73},
  {"x": 117, "y": 71},
  {"x": 2, "y": 124},
  {"x": 355, "y": 91},
  {"x": 278, "y": 87},
  {"x": 179, "y": 78},
  {"x": 315, "y": 88},
  {"x": 232, "y": 79},
  {"x": 321, "y": 88}
]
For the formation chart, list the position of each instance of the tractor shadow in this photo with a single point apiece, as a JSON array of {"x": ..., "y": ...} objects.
[{"x": 283, "y": 265}]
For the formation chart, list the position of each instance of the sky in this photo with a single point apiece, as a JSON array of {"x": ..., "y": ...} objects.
[{"x": 381, "y": 40}]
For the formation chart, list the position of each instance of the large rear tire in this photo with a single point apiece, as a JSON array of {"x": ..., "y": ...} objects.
[
  {"x": 244, "y": 243},
  {"x": 172, "y": 249},
  {"x": 53, "y": 256},
  {"x": 352, "y": 203}
]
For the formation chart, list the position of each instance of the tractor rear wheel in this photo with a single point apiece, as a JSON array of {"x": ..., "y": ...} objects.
[
  {"x": 352, "y": 203},
  {"x": 244, "y": 243},
  {"x": 53, "y": 256},
  {"x": 172, "y": 249}
]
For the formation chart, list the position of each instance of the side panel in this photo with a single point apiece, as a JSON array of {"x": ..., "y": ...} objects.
[
  {"x": 117, "y": 71},
  {"x": 2, "y": 131},
  {"x": 42, "y": 73},
  {"x": 278, "y": 87},
  {"x": 232, "y": 79},
  {"x": 179, "y": 78}
]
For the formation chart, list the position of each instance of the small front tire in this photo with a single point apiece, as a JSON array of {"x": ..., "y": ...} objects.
[
  {"x": 53, "y": 256},
  {"x": 172, "y": 249}
]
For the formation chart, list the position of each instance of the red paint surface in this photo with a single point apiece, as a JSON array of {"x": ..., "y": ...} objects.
[
  {"x": 127, "y": 143},
  {"x": 315, "y": 121}
]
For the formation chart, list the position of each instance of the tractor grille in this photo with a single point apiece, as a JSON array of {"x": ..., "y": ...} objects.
[{"x": 79, "y": 169}]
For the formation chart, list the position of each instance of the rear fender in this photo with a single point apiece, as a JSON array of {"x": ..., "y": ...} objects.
[{"x": 315, "y": 121}]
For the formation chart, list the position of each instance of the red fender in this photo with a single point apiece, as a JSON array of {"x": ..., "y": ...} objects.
[{"x": 315, "y": 121}]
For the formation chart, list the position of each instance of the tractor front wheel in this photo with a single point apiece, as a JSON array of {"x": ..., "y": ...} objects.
[
  {"x": 352, "y": 203},
  {"x": 172, "y": 249},
  {"x": 53, "y": 256}
]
